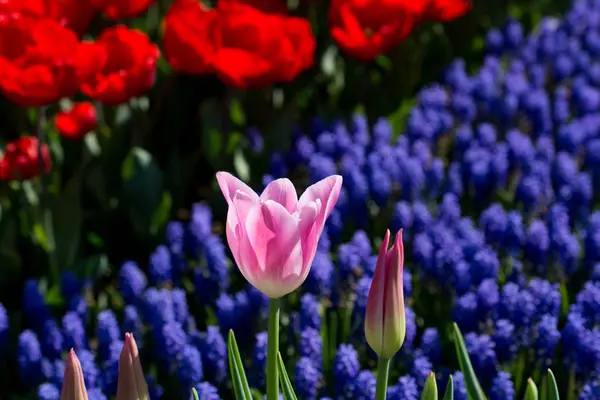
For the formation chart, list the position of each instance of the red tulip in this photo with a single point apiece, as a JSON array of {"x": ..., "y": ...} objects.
[
  {"x": 21, "y": 159},
  {"x": 77, "y": 122},
  {"x": 127, "y": 66},
  {"x": 242, "y": 45},
  {"x": 40, "y": 60}
]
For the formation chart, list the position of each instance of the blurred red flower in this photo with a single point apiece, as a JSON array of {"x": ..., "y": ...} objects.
[
  {"x": 127, "y": 66},
  {"x": 77, "y": 122},
  {"x": 245, "y": 47},
  {"x": 21, "y": 159},
  {"x": 446, "y": 10},
  {"x": 367, "y": 28},
  {"x": 119, "y": 9},
  {"x": 40, "y": 60},
  {"x": 73, "y": 14},
  {"x": 266, "y": 6}
]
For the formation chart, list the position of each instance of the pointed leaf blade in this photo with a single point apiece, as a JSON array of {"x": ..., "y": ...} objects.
[
  {"x": 552, "y": 387},
  {"x": 471, "y": 382},
  {"x": 195, "y": 394},
  {"x": 449, "y": 395},
  {"x": 532, "y": 390},
  {"x": 430, "y": 391},
  {"x": 240, "y": 382},
  {"x": 286, "y": 384}
]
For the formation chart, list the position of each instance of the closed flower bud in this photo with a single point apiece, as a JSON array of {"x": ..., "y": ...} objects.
[
  {"x": 385, "y": 324},
  {"x": 73, "y": 387},
  {"x": 132, "y": 383}
]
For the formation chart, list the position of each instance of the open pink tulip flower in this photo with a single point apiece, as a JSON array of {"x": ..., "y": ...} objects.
[
  {"x": 73, "y": 387},
  {"x": 274, "y": 236},
  {"x": 385, "y": 321},
  {"x": 132, "y": 383}
]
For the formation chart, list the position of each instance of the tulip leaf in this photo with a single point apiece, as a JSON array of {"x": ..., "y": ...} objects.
[
  {"x": 471, "y": 382},
  {"x": 532, "y": 391},
  {"x": 288, "y": 390},
  {"x": 449, "y": 395},
  {"x": 195, "y": 394},
  {"x": 552, "y": 387},
  {"x": 430, "y": 391},
  {"x": 236, "y": 369}
]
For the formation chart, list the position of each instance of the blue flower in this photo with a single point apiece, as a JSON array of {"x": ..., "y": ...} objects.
[
  {"x": 420, "y": 370},
  {"x": 206, "y": 391},
  {"x": 482, "y": 354},
  {"x": 180, "y": 306},
  {"x": 546, "y": 337},
  {"x": 70, "y": 285},
  {"x": 460, "y": 389},
  {"x": 405, "y": 389},
  {"x": 307, "y": 378},
  {"x": 502, "y": 387},
  {"x": 591, "y": 390},
  {"x": 48, "y": 391},
  {"x": 108, "y": 332},
  {"x": 175, "y": 237},
  {"x": 132, "y": 323},
  {"x": 189, "y": 367},
  {"x": 73, "y": 332},
  {"x": 170, "y": 341},
  {"x": 29, "y": 358},
  {"x": 431, "y": 346},
  {"x": 504, "y": 340},
  {"x": 91, "y": 373},
  {"x": 199, "y": 229},
  {"x": 132, "y": 281},
  {"x": 160, "y": 269},
  {"x": 345, "y": 369},
  {"x": 310, "y": 312},
  {"x": 34, "y": 307},
  {"x": 79, "y": 305},
  {"x": 320, "y": 277},
  {"x": 310, "y": 346},
  {"x": 110, "y": 368},
  {"x": 4, "y": 329},
  {"x": 259, "y": 360},
  {"x": 214, "y": 352},
  {"x": 212, "y": 278},
  {"x": 364, "y": 386}
]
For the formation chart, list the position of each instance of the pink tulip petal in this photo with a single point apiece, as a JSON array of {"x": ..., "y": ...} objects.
[
  {"x": 307, "y": 227},
  {"x": 229, "y": 184},
  {"x": 284, "y": 253},
  {"x": 375, "y": 305},
  {"x": 246, "y": 257},
  {"x": 281, "y": 191},
  {"x": 327, "y": 192}
]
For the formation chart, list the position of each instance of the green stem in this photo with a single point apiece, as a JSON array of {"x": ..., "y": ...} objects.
[
  {"x": 383, "y": 369},
  {"x": 46, "y": 213},
  {"x": 273, "y": 348},
  {"x": 571, "y": 384}
]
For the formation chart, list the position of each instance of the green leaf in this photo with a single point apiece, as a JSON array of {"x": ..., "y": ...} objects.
[
  {"x": 143, "y": 183},
  {"x": 471, "y": 382},
  {"x": 449, "y": 395},
  {"x": 532, "y": 391},
  {"x": 552, "y": 387},
  {"x": 430, "y": 391},
  {"x": 242, "y": 168},
  {"x": 236, "y": 369},
  {"x": 67, "y": 218},
  {"x": 195, "y": 394},
  {"x": 288, "y": 390}
]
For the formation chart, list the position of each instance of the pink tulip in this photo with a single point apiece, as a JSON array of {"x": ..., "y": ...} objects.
[
  {"x": 274, "y": 237},
  {"x": 132, "y": 383},
  {"x": 73, "y": 387},
  {"x": 385, "y": 324}
]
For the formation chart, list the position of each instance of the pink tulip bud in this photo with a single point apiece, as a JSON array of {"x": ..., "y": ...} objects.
[
  {"x": 274, "y": 237},
  {"x": 73, "y": 387},
  {"x": 385, "y": 324},
  {"x": 132, "y": 383}
]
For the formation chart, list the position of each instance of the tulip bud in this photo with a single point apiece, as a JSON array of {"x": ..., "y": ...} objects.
[
  {"x": 385, "y": 324},
  {"x": 73, "y": 387},
  {"x": 132, "y": 383}
]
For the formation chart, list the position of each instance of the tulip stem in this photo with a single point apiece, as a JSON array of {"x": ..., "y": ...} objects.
[
  {"x": 273, "y": 348},
  {"x": 383, "y": 369}
]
